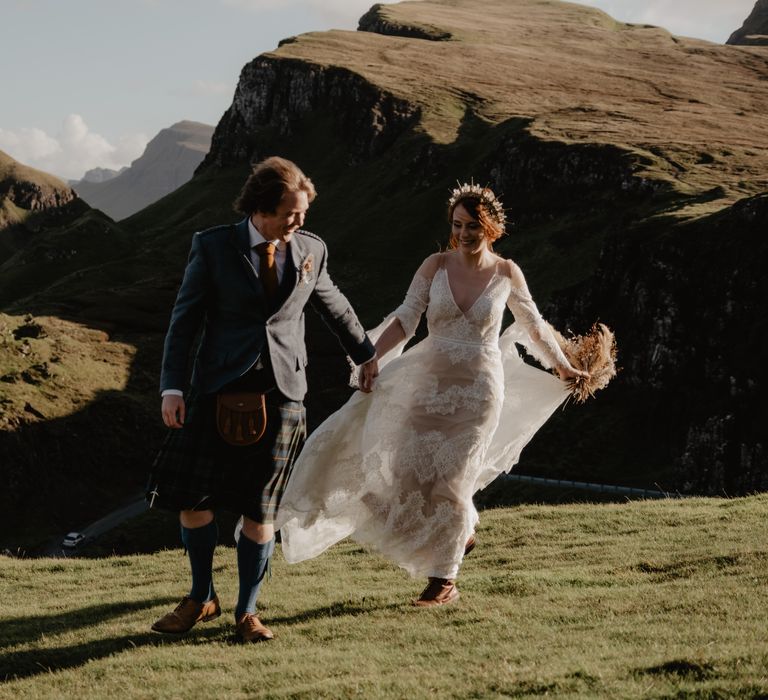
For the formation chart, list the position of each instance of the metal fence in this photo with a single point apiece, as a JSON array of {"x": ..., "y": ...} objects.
[{"x": 587, "y": 486}]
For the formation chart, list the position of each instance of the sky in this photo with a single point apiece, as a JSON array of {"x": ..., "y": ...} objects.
[{"x": 86, "y": 83}]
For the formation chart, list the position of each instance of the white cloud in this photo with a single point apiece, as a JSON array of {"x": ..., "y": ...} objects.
[
  {"x": 28, "y": 144},
  {"x": 204, "y": 88},
  {"x": 73, "y": 150}
]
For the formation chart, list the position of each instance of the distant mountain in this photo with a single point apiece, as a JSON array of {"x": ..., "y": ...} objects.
[
  {"x": 168, "y": 161},
  {"x": 754, "y": 31},
  {"x": 98, "y": 175}
]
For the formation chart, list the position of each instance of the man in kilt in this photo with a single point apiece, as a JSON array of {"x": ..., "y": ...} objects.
[{"x": 245, "y": 286}]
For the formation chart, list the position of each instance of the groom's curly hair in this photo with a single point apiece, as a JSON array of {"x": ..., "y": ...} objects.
[{"x": 269, "y": 181}]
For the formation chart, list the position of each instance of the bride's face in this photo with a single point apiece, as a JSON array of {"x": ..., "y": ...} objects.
[{"x": 467, "y": 231}]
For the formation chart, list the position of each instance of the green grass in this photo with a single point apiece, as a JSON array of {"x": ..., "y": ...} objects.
[{"x": 646, "y": 599}]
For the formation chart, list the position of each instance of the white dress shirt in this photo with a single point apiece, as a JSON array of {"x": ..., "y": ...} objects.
[{"x": 281, "y": 251}]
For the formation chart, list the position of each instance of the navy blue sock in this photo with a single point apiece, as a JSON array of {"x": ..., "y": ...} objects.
[
  {"x": 252, "y": 564},
  {"x": 200, "y": 543}
]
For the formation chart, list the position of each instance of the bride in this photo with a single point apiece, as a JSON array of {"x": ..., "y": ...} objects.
[{"x": 396, "y": 468}]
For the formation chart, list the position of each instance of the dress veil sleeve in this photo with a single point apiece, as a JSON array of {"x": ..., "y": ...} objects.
[
  {"x": 408, "y": 313},
  {"x": 413, "y": 306},
  {"x": 533, "y": 332}
]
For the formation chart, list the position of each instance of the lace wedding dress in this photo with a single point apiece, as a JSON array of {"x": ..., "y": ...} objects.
[{"x": 397, "y": 468}]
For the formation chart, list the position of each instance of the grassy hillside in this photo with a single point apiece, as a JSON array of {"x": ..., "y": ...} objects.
[
  {"x": 580, "y": 77},
  {"x": 641, "y": 600},
  {"x": 73, "y": 401}
]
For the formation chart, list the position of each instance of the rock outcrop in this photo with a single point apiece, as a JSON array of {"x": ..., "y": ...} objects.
[
  {"x": 287, "y": 95},
  {"x": 754, "y": 31},
  {"x": 168, "y": 161},
  {"x": 378, "y": 21},
  {"x": 31, "y": 201},
  {"x": 25, "y": 191}
]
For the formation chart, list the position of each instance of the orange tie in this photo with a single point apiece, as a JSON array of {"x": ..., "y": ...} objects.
[{"x": 268, "y": 269}]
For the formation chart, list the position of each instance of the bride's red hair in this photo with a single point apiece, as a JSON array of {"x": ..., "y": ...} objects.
[{"x": 492, "y": 230}]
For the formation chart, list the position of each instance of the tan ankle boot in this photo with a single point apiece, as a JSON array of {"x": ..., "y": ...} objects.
[{"x": 439, "y": 591}]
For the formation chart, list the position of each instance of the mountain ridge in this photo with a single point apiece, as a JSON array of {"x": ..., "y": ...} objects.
[{"x": 168, "y": 161}]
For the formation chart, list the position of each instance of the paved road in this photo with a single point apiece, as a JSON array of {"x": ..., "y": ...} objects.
[
  {"x": 105, "y": 524},
  {"x": 587, "y": 486}
]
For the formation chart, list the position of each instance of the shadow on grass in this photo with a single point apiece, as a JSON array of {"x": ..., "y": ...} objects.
[
  {"x": 339, "y": 609},
  {"x": 28, "y": 629},
  {"x": 26, "y": 663},
  {"x": 32, "y": 662}
]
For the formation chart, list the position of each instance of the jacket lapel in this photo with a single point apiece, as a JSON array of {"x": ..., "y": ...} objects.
[
  {"x": 296, "y": 254},
  {"x": 288, "y": 282},
  {"x": 241, "y": 240}
]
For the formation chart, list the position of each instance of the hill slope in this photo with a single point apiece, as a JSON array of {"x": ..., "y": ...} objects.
[
  {"x": 636, "y": 197},
  {"x": 636, "y": 192},
  {"x": 70, "y": 397},
  {"x": 648, "y": 599}
]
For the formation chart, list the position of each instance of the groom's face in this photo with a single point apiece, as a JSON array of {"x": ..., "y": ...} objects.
[{"x": 288, "y": 217}]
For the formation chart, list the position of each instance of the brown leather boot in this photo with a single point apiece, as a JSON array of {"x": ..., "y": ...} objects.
[
  {"x": 250, "y": 629},
  {"x": 439, "y": 591},
  {"x": 186, "y": 615}
]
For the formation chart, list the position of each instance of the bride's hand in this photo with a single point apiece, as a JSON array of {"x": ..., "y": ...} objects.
[{"x": 571, "y": 373}]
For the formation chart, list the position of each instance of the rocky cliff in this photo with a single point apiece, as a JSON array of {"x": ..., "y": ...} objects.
[
  {"x": 30, "y": 202},
  {"x": 168, "y": 161},
  {"x": 754, "y": 31},
  {"x": 25, "y": 191}
]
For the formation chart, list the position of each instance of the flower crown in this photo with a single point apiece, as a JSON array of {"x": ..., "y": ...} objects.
[{"x": 493, "y": 206}]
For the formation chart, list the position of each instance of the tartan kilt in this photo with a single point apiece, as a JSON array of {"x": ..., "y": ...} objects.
[{"x": 196, "y": 470}]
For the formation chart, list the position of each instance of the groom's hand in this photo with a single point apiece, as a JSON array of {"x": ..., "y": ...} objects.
[
  {"x": 173, "y": 410},
  {"x": 368, "y": 373}
]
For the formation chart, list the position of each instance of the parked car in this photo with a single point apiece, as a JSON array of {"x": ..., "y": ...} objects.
[{"x": 72, "y": 539}]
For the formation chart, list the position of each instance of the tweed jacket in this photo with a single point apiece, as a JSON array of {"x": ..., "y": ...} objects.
[{"x": 222, "y": 295}]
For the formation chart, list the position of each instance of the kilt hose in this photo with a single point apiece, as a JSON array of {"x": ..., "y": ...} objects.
[{"x": 196, "y": 470}]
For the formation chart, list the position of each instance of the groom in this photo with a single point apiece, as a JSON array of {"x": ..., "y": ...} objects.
[{"x": 246, "y": 286}]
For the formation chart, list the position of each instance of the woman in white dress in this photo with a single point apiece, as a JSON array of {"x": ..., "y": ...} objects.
[{"x": 397, "y": 468}]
